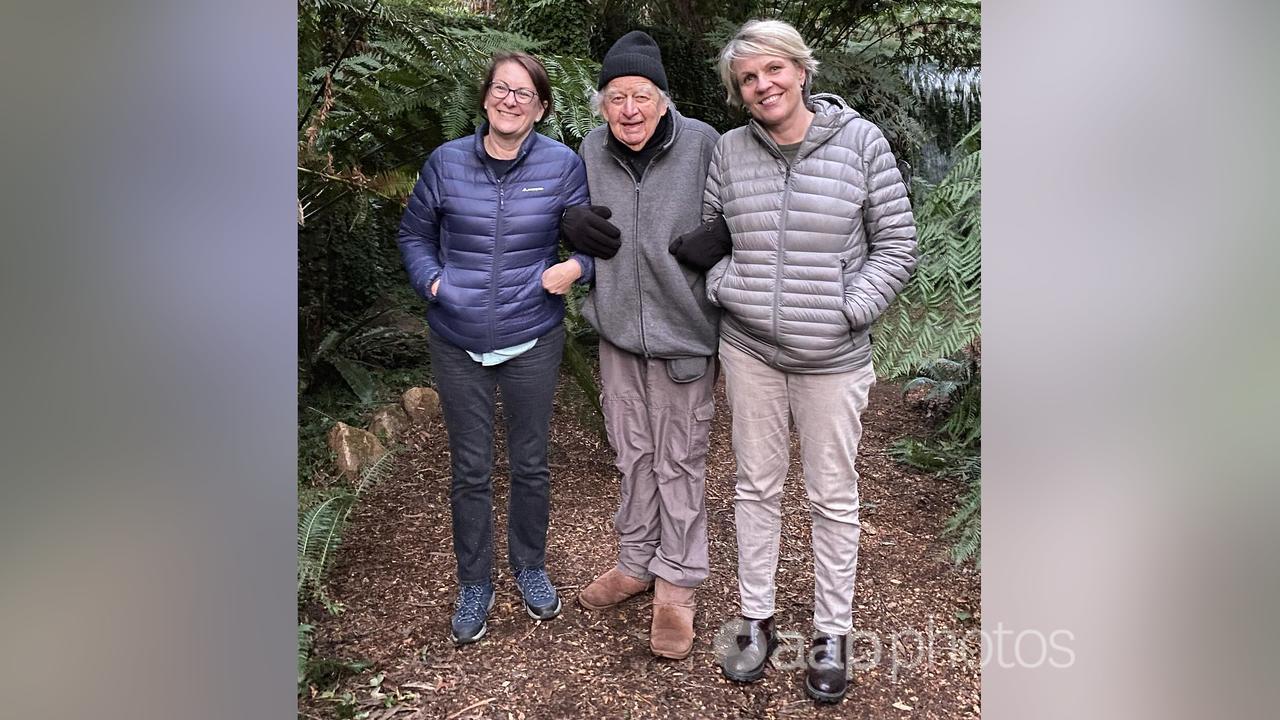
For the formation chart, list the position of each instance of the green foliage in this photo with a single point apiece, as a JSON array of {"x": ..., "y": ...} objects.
[
  {"x": 558, "y": 24},
  {"x": 326, "y": 672},
  {"x": 304, "y": 652},
  {"x": 320, "y": 528},
  {"x": 877, "y": 89},
  {"x": 965, "y": 525},
  {"x": 956, "y": 449},
  {"x": 339, "y": 347},
  {"x": 939, "y": 311}
]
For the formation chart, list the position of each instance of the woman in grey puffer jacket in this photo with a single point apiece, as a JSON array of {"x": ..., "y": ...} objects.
[{"x": 823, "y": 239}]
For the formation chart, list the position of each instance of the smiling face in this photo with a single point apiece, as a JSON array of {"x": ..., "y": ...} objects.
[
  {"x": 508, "y": 117},
  {"x": 771, "y": 87},
  {"x": 632, "y": 107}
]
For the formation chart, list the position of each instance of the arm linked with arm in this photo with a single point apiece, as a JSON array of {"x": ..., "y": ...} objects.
[
  {"x": 711, "y": 208},
  {"x": 574, "y": 192}
]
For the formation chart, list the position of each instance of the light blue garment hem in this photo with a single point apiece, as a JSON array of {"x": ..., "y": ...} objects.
[{"x": 501, "y": 355}]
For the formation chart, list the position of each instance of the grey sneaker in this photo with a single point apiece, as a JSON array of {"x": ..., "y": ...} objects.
[
  {"x": 540, "y": 598},
  {"x": 471, "y": 618}
]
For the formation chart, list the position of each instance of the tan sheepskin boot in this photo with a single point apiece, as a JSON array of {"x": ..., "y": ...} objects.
[
  {"x": 672, "y": 633},
  {"x": 610, "y": 589}
]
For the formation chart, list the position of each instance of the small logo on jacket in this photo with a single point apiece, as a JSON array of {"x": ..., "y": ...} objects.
[{"x": 532, "y": 189}]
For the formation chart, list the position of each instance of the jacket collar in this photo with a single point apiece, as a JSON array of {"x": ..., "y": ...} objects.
[
  {"x": 478, "y": 143},
  {"x": 830, "y": 114}
]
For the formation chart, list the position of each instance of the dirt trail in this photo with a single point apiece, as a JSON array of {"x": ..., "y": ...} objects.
[{"x": 396, "y": 578}]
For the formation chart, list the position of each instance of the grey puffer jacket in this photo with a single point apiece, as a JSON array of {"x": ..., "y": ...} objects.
[
  {"x": 820, "y": 247},
  {"x": 643, "y": 300}
]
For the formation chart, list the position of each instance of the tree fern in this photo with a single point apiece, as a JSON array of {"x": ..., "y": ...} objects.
[{"x": 939, "y": 311}]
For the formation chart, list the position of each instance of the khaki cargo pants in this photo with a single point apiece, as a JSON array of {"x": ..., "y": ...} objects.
[{"x": 658, "y": 429}]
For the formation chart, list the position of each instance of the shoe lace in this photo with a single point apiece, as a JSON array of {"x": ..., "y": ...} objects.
[
  {"x": 536, "y": 586},
  {"x": 471, "y": 604}
]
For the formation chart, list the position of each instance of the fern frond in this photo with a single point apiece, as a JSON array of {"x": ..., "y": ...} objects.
[
  {"x": 939, "y": 311},
  {"x": 376, "y": 472},
  {"x": 318, "y": 534}
]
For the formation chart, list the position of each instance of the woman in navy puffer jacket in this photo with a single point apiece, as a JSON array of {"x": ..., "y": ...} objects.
[{"x": 479, "y": 240}]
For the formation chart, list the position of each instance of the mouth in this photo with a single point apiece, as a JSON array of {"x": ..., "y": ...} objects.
[{"x": 771, "y": 100}]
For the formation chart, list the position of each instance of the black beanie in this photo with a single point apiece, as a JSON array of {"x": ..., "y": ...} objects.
[{"x": 634, "y": 54}]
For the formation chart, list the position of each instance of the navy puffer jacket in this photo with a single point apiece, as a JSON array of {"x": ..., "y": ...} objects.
[{"x": 489, "y": 239}]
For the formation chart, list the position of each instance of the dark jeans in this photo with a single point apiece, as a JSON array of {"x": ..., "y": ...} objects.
[{"x": 466, "y": 390}]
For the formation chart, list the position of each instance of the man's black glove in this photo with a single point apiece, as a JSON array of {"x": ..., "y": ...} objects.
[
  {"x": 703, "y": 247},
  {"x": 588, "y": 230}
]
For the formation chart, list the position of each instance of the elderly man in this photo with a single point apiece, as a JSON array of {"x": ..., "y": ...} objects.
[{"x": 646, "y": 169}]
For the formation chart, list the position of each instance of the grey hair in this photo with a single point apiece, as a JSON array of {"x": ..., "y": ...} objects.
[
  {"x": 764, "y": 37},
  {"x": 597, "y": 100}
]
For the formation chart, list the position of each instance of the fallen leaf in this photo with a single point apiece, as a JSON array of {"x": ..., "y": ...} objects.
[{"x": 902, "y": 706}]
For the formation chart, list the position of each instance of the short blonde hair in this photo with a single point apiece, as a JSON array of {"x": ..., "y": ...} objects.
[{"x": 764, "y": 37}]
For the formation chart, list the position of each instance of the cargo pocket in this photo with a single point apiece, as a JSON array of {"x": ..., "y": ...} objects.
[{"x": 700, "y": 431}]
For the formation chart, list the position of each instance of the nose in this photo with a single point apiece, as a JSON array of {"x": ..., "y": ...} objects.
[{"x": 510, "y": 100}]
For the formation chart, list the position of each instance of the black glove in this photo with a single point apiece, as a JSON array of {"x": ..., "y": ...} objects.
[
  {"x": 703, "y": 247},
  {"x": 589, "y": 231}
]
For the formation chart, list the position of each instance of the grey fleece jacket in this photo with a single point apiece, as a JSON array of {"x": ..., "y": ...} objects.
[
  {"x": 821, "y": 245},
  {"x": 643, "y": 300}
]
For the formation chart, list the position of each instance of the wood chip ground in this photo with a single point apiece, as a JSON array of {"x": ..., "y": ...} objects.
[{"x": 395, "y": 577}]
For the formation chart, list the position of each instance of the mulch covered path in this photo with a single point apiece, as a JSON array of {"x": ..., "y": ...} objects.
[{"x": 395, "y": 578}]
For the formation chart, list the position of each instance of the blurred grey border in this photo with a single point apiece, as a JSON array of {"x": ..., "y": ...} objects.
[
  {"x": 148, "y": 281},
  {"x": 1129, "y": 355},
  {"x": 149, "y": 345}
]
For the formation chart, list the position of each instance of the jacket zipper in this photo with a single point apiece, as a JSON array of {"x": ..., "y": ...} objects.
[
  {"x": 493, "y": 276},
  {"x": 635, "y": 244},
  {"x": 635, "y": 231},
  {"x": 777, "y": 285}
]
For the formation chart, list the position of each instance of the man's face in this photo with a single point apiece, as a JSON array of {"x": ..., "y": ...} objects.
[{"x": 632, "y": 107}]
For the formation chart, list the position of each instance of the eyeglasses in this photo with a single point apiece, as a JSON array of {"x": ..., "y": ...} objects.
[{"x": 499, "y": 91}]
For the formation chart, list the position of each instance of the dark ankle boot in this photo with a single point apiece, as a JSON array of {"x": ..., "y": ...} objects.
[
  {"x": 746, "y": 658},
  {"x": 826, "y": 677}
]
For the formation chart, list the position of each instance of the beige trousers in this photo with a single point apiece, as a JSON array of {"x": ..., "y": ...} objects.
[{"x": 827, "y": 410}]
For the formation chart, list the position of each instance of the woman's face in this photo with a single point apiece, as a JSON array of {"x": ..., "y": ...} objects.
[
  {"x": 771, "y": 87},
  {"x": 509, "y": 116}
]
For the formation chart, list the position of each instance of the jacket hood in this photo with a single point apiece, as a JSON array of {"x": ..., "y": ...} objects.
[{"x": 830, "y": 113}]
